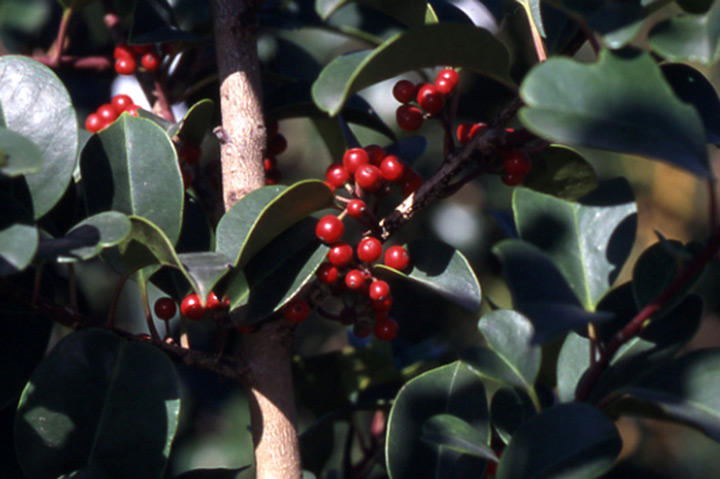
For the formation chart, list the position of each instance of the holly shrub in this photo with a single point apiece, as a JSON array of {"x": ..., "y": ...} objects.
[{"x": 128, "y": 293}]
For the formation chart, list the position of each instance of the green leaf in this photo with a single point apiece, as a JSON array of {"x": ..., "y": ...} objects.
[
  {"x": 99, "y": 401},
  {"x": 588, "y": 240},
  {"x": 695, "y": 6},
  {"x": 566, "y": 441},
  {"x": 685, "y": 390},
  {"x": 453, "y": 389},
  {"x": 573, "y": 361},
  {"x": 197, "y": 121},
  {"x": 18, "y": 155},
  {"x": 621, "y": 103},
  {"x": 18, "y": 244},
  {"x": 561, "y": 172},
  {"x": 87, "y": 239},
  {"x": 264, "y": 213},
  {"x": 205, "y": 269},
  {"x": 419, "y": 47},
  {"x": 443, "y": 269},
  {"x": 36, "y": 105},
  {"x": 131, "y": 167},
  {"x": 691, "y": 38},
  {"x": 409, "y": 12},
  {"x": 448, "y": 431},
  {"x": 510, "y": 409},
  {"x": 23, "y": 343}
]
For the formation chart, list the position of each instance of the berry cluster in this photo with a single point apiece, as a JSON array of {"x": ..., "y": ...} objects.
[
  {"x": 191, "y": 306},
  {"x": 276, "y": 145},
  {"x": 429, "y": 97},
  {"x": 126, "y": 58},
  {"x": 516, "y": 165},
  {"x": 108, "y": 113}
]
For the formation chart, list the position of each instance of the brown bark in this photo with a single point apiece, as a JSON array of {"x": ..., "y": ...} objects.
[{"x": 266, "y": 353}]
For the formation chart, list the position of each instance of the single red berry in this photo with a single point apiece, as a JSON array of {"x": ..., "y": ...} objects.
[
  {"x": 122, "y": 51},
  {"x": 468, "y": 131},
  {"x": 444, "y": 86},
  {"x": 192, "y": 308},
  {"x": 397, "y": 257},
  {"x": 165, "y": 308},
  {"x": 411, "y": 181},
  {"x": 409, "y": 118},
  {"x": 354, "y": 158},
  {"x": 329, "y": 229},
  {"x": 93, "y": 123},
  {"x": 150, "y": 61},
  {"x": 515, "y": 162},
  {"x": 327, "y": 273},
  {"x": 337, "y": 175},
  {"x": 213, "y": 303},
  {"x": 190, "y": 152},
  {"x": 296, "y": 311},
  {"x": 121, "y": 102},
  {"x": 369, "y": 177},
  {"x": 392, "y": 168},
  {"x": 277, "y": 144},
  {"x": 369, "y": 249},
  {"x": 362, "y": 329},
  {"x": 447, "y": 80},
  {"x": 107, "y": 113},
  {"x": 386, "y": 329},
  {"x": 270, "y": 163},
  {"x": 132, "y": 110},
  {"x": 354, "y": 279},
  {"x": 430, "y": 99},
  {"x": 404, "y": 91},
  {"x": 375, "y": 154},
  {"x": 382, "y": 306},
  {"x": 356, "y": 208},
  {"x": 125, "y": 65},
  {"x": 141, "y": 49},
  {"x": 512, "y": 180},
  {"x": 273, "y": 177},
  {"x": 379, "y": 290},
  {"x": 340, "y": 254}
]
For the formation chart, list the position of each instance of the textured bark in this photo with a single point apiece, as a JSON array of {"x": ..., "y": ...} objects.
[{"x": 266, "y": 353}]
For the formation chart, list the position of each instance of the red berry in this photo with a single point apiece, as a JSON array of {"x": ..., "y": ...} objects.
[
  {"x": 337, "y": 175},
  {"x": 369, "y": 249},
  {"x": 273, "y": 177},
  {"x": 382, "y": 306},
  {"x": 327, "y": 273},
  {"x": 277, "y": 144},
  {"x": 269, "y": 163},
  {"x": 213, "y": 303},
  {"x": 468, "y": 131},
  {"x": 141, "y": 49},
  {"x": 356, "y": 208},
  {"x": 93, "y": 123},
  {"x": 430, "y": 99},
  {"x": 192, "y": 308},
  {"x": 386, "y": 329},
  {"x": 410, "y": 182},
  {"x": 122, "y": 51},
  {"x": 150, "y": 61},
  {"x": 330, "y": 187},
  {"x": 354, "y": 279},
  {"x": 379, "y": 290},
  {"x": 107, "y": 113},
  {"x": 404, "y": 91},
  {"x": 392, "y": 168},
  {"x": 447, "y": 80},
  {"x": 190, "y": 152},
  {"x": 375, "y": 154},
  {"x": 369, "y": 177},
  {"x": 397, "y": 257},
  {"x": 340, "y": 254},
  {"x": 354, "y": 158},
  {"x": 165, "y": 308},
  {"x": 409, "y": 118},
  {"x": 515, "y": 162},
  {"x": 125, "y": 65},
  {"x": 512, "y": 180},
  {"x": 132, "y": 110},
  {"x": 329, "y": 229},
  {"x": 296, "y": 311},
  {"x": 121, "y": 103}
]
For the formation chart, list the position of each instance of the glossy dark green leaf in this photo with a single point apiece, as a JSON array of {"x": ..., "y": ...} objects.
[
  {"x": 618, "y": 23},
  {"x": 131, "y": 167},
  {"x": 18, "y": 244},
  {"x": 561, "y": 172},
  {"x": 588, "y": 240},
  {"x": 541, "y": 293},
  {"x": 573, "y": 361},
  {"x": 154, "y": 22},
  {"x": 18, "y": 155},
  {"x": 443, "y": 269},
  {"x": 453, "y": 389},
  {"x": 448, "y": 431},
  {"x": 685, "y": 390},
  {"x": 36, "y": 105},
  {"x": 695, "y": 6},
  {"x": 690, "y": 38},
  {"x": 211, "y": 473},
  {"x": 620, "y": 103},
  {"x": 263, "y": 214},
  {"x": 569, "y": 440},
  {"x": 197, "y": 121},
  {"x": 692, "y": 87},
  {"x": 25, "y": 337},
  {"x": 98, "y": 400},
  {"x": 409, "y": 12},
  {"x": 87, "y": 239},
  {"x": 510, "y": 409},
  {"x": 205, "y": 269},
  {"x": 419, "y": 47}
]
